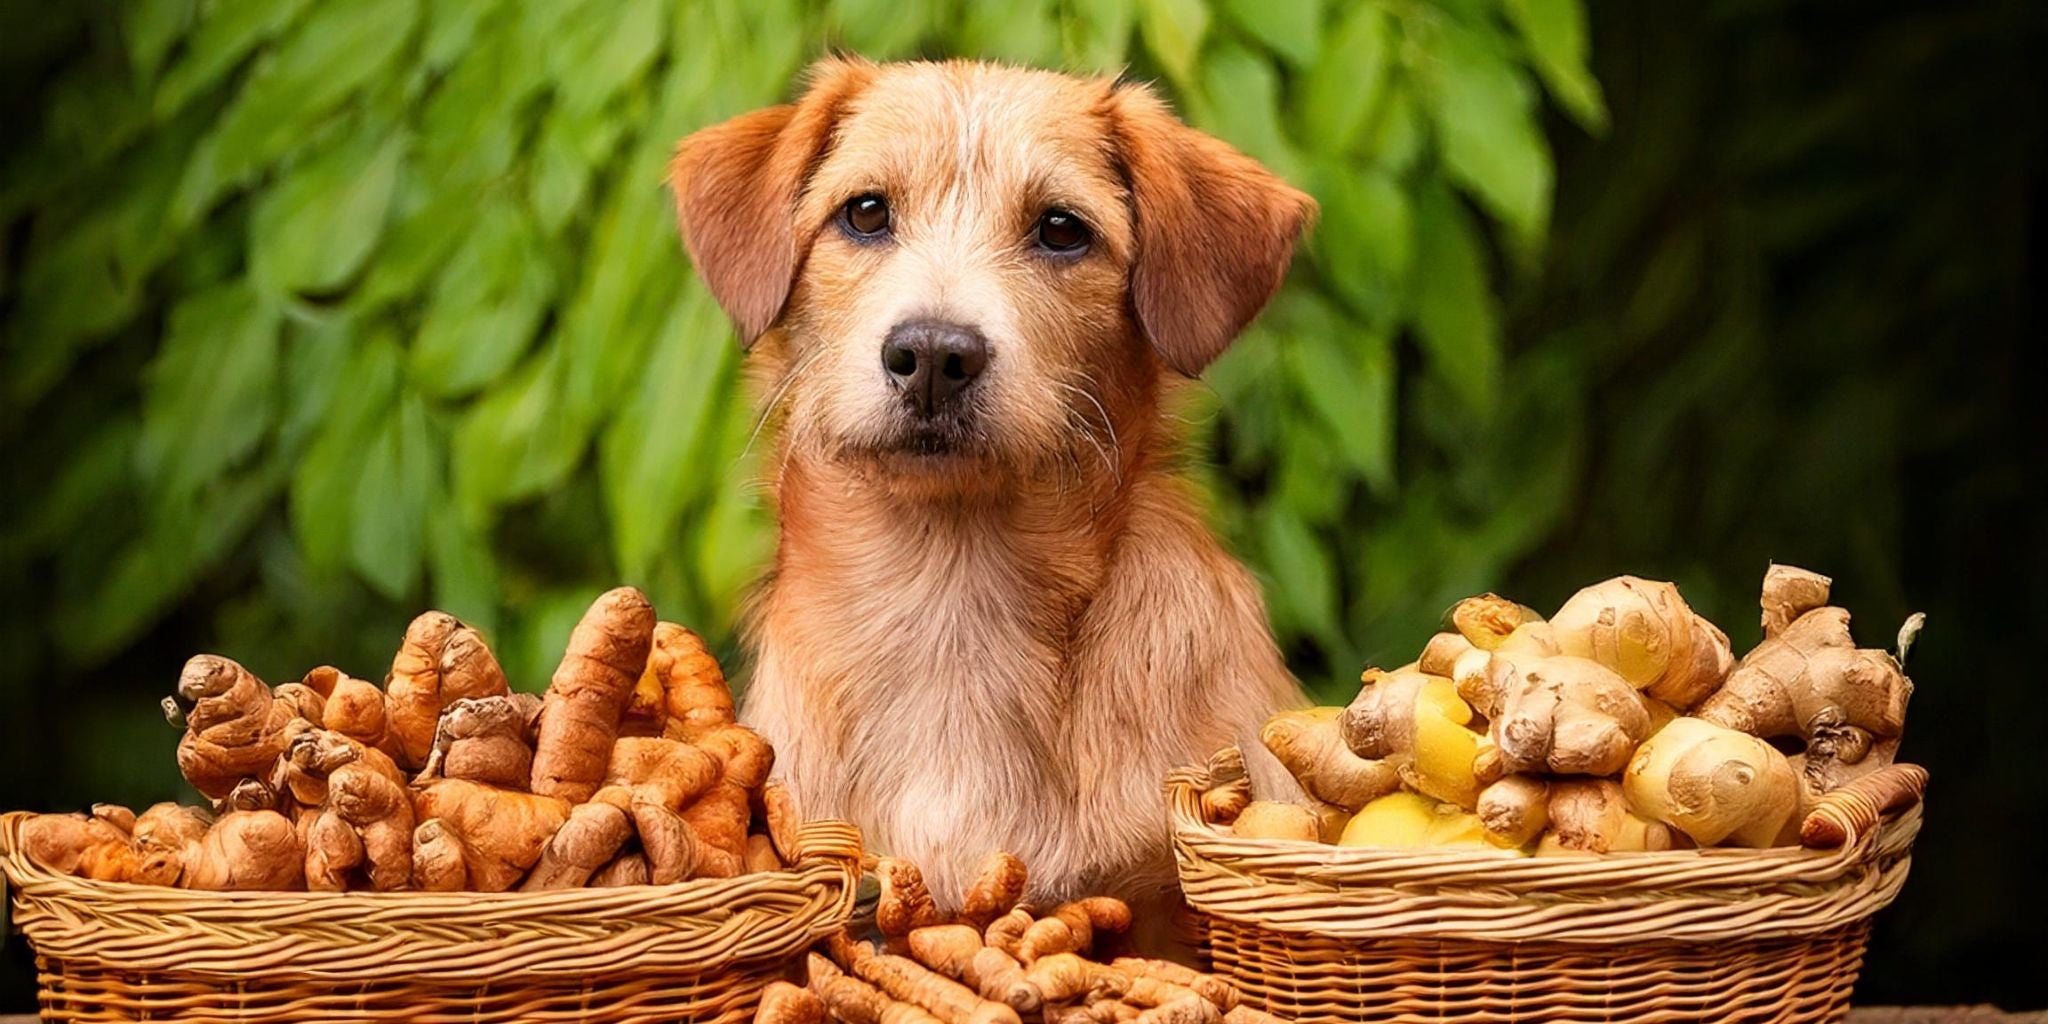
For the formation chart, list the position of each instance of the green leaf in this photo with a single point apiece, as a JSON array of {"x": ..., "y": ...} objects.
[
  {"x": 1486, "y": 129},
  {"x": 636, "y": 271},
  {"x": 1173, "y": 30},
  {"x": 571, "y": 149},
  {"x": 1026, "y": 32},
  {"x": 655, "y": 456},
  {"x": 517, "y": 441},
  {"x": 1342, "y": 88},
  {"x": 95, "y": 475},
  {"x": 1397, "y": 136},
  {"x": 312, "y": 231},
  {"x": 1303, "y": 583},
  {"x": 153, "y": 27},
  {"x": 453, "y": 28},
  {"x": 316, "y": 356},
  {"x": 882, "y": 29},
  {"x": 1096, "y": 34},
  {"x": 325, "y": 483},
  {"x": 486, "y": 305},
  {"x": 735, "y": 540},
  {"x": 465, "y": 570},
  {"x": 600, "y": 49},
  {"x": 225, "y": 34},
  {"x": 1455, "y": 317},
  {"x": 401, "y": 480},
  {"x": 1348, "y": 379},
  {"x": 1555, "y": 31},
  {"x": 335, "y": 51},
  {"x": 1366, "y": 243},
  {"x": 1240, "y": 101},
  {"x": 1293, "y": 28},
  {"x": 210, "y": 394}
]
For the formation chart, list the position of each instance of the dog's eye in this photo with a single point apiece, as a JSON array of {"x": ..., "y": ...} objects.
[
  {"x": 1062, "y": 232},
  {"x": 865, "y": 216}
]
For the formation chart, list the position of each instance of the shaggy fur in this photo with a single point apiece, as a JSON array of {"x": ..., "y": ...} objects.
[{"x": 1003, "y": 630}]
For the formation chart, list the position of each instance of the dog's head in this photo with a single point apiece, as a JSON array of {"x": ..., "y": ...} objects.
[{"x": 963, "y": 270}]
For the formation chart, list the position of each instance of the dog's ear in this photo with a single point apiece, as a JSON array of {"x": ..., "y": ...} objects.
[
  {"x": 736, "y": 186},
  {"x": 1215, "y": 230}
]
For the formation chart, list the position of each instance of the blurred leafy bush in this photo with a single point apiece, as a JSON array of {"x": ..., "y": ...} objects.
[{"x": 375, "y": 305}]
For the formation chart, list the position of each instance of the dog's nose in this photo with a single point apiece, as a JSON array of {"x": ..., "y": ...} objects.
[{"x": 933, "y": 361}]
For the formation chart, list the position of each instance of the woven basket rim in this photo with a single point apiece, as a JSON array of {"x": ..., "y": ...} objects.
[
  {"x": 702, "y": 924},
  {"x": 1485, "y": 895}
]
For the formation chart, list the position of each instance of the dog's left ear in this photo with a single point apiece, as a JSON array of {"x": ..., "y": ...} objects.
[
  {"x": 736, "y": 186},
  {"x": 1215, "y": 230}
]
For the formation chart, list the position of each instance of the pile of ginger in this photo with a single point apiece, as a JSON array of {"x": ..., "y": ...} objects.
[
  {"x": 1621, "y": 723},
  {"x": 630, "y": 769},
  {"x": 996, "y": 962}
]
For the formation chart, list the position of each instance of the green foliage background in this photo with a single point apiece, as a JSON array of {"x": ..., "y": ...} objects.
[{"x": 318, "y": 313}]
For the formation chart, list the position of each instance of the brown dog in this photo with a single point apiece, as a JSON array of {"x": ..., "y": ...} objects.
[{"x": 995, "y": 617}]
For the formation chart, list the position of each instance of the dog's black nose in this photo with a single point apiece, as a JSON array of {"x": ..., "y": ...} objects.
[{"x": 933, "y": 361}]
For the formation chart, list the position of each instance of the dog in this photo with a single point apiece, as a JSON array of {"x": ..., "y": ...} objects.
[{"x": 995, "y": 617}]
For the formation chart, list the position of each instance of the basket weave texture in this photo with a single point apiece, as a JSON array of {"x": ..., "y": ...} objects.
[
  {"x": 699, "y": 951},
  {"x": 1316, "y": 932}
]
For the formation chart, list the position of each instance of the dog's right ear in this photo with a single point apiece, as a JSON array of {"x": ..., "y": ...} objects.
[{"x": 736, "y": 186}]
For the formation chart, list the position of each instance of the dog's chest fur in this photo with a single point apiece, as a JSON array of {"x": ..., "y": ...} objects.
[{"x": 1017, "y": 677}]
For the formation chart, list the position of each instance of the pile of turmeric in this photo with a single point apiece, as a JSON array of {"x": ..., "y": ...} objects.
[
  {"x": 1622, "y": 722},
  {"x": 629, "y": 770},
  {"x": 997, "y": 962}
]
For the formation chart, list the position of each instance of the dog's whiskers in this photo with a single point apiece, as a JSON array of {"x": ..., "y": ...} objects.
[
  {"x": 1087, "y": 430},
  {"x": 781, "y": 390}
]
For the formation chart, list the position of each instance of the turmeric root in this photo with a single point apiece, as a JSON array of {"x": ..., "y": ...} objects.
[
  {"x": 998, "y": 885},
  {"x": 333, "y": 852},
  {"x": 1063, "y": 977},
  {"x": 354, "y": 708},
  {"x": 670, "y": 845},
  {"x": 1712, "y": 783},
  {"x": 437, "y": 858},
  {"x": 247, "y": 851},
  {"x": 1309, "y": 744},
  {"x": 1188, "y": 1009},
  {"x": 234, "y": 726},
  {"x": 164, "y": 836},
  {"x": 670, "y": 772},
  {"x": 784, "y": 1003},
  {"x": 856, "y": 1002},
  {"x": 1591, "y": 815},
  {"x": 625, "y": 869},
  {"x": 1419, "y": 723},
  {"x": 580, "y": 714},
  {"x": 380, "y": 811},
  {"x": 1208, "y": 986},
  {"x": 905, "y": 904},
  {"x": 503, "y": 832},
  {"x": 439, "y": 662},
  {"x": 1644, "y": 632},
  {"x": 696, "y": 699},
  {"x": 1007, "y": 931},
  {"x": 1271, "y": 819},
  {"x": 718, "y": 825},
  {"x": 761, "y": 855},
  {"x": 1230, "y": 787},
  {"x": 584, "y": 843},
  {"x": 484, "y": 739},
  {"x": 744, "y": 758},
  {"x": 88, "y": 846},
  {"x": 1514, "y": 810},
  {"x": 907, "y": 980},
  {"x": 1838, "y": 817},
  {"x": 945, "y": 948},
  {"x": 779, "y": 811},
  {"x": 1071, "y": 927}
]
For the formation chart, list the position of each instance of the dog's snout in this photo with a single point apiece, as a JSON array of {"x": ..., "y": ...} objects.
[{"x": 933, "y": 361}]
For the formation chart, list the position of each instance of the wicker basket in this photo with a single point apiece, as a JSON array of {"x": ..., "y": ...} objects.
[
  {"x": 1316, "y": 932},
  {"x": 698, "y": 951}
]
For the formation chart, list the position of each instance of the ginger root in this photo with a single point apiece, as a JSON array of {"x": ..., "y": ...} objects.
[
  {"x": 1271, "y": 819},
  {"x": 1310, "y": 745},
  {"x": 439, "y": 662},
  {"x": 165, "y": 835},
  {"x": 1485, "y": 621},
  {"x": 1230, "y": 787},
  {"x": 85, "y": 845},
  {"x": 235, "y": 728},
  {"x": 1418, "y": 722},
  {"x": 1812, "y": 681},
  {"x": 1564, "y": 715},
  {"x": 1646, "y": 633},
  {"x": 1592, "y": 815},
  {"x": 1406, "y": 820},
  {"x": 247, "y": 850},
  {"x": 1790, "y": 592},
  {"x": 438, "y": 860},
  {"x": 1514, "y": 810},
  {"x": 1714, "y": 784}
]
